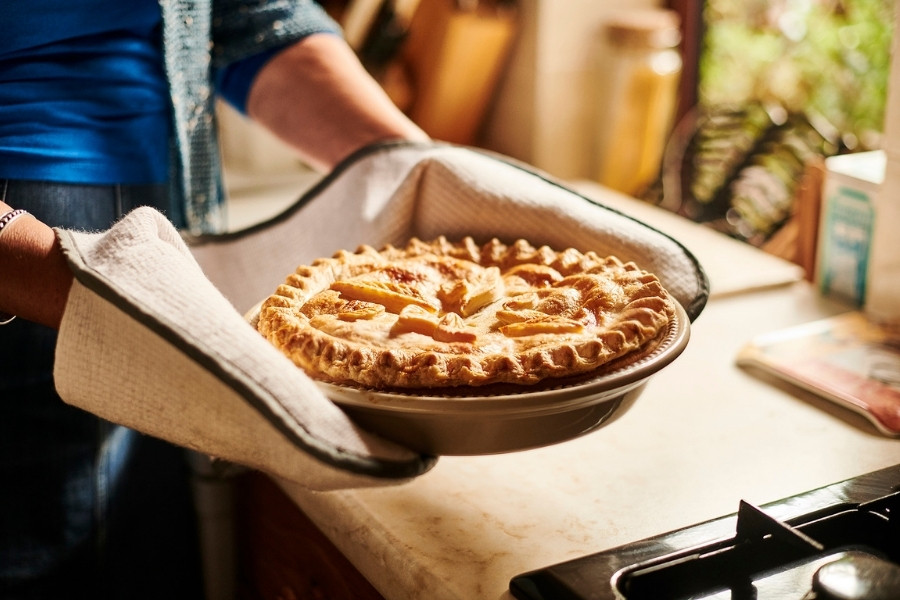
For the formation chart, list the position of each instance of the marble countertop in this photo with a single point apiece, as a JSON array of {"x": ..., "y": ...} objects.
[{"x": 703, "y": 435}]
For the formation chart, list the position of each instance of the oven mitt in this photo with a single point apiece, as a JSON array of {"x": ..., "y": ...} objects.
[
  {"x": 389, "y": 192},
  {"x": 148, "y": 342}
]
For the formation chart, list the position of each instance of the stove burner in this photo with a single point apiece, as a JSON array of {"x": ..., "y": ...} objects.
[
  {"x": 856, "y": 576},
  {"x": 850, "y": 543}
]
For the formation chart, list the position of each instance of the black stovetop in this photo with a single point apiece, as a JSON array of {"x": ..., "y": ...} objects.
[{"x": 801, "y": 547}]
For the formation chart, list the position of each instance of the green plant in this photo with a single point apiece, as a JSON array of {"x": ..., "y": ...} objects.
[{"x": 828, "y": 59}]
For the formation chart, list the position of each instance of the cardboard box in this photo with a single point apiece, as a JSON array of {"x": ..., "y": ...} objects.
[{"x": 849, "y": 197}]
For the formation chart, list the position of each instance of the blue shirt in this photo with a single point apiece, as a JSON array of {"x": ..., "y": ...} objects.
[
  {"x": 83, "y": 97},
  {"x": 83, "y": 93}
]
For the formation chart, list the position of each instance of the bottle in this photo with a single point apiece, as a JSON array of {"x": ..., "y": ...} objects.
[{"x": 638, "y": 94}]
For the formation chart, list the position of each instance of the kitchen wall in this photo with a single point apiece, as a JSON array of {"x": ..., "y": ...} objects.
[{"x": 883, "y": 278}]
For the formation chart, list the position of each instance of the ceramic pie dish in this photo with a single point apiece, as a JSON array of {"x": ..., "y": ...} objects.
[{"x": 499, "y": 419}]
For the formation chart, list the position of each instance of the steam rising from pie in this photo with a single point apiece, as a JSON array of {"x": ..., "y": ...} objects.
[{"x": 441, "y": 314}]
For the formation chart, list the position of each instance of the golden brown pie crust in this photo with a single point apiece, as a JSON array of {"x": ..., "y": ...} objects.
[{"x": 442, "y": 314}]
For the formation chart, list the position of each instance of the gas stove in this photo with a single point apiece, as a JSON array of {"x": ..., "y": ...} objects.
[{"x": 839, "y": 541}]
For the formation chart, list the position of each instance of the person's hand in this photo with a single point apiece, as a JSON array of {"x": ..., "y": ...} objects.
[{"x": 33, "y": 271}]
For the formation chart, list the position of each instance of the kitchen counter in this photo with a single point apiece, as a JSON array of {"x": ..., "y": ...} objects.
[{"x": 703, "y": 435}]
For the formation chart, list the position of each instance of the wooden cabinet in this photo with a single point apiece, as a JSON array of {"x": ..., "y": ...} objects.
[{"x": 282, "y": 555}]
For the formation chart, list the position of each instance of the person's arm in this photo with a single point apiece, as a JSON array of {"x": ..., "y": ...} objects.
[
  {"x": 318, "y": 97},
  {"x": 34, "y": 277},
  {"x": 315, "y": 94}
]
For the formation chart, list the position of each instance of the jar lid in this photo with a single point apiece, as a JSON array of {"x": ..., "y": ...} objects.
[{"x": 649, "y": 28}]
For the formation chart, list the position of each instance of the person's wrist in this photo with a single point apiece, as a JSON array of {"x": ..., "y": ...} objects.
[
  {"x": 35, "y": 277},
  {"x": 6, "y": 220}
]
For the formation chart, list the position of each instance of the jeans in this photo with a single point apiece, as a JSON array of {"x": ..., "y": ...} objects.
[{"x": 86, "y": 507}]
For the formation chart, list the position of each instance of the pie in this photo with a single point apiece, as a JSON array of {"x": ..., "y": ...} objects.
[{"x": 444, "y": 314}]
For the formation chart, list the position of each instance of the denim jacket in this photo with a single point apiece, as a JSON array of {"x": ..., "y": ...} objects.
[{"x": 200, "y": 36}]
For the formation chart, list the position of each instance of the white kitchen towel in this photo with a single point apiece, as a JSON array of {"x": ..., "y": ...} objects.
[
  {"x": 153, "y": 340},
  {"x": 147, "y": 341},
  {"x": 390, "y": 192}
]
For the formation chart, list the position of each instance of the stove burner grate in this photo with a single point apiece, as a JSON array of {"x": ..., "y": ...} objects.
[{"x": 764, "y": 546}]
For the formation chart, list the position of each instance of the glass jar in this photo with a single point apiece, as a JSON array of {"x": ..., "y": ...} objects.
[{"x": 637, "y": 97}]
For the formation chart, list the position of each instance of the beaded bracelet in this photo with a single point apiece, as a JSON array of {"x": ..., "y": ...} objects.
[
  {"x": 10, "y": 217},
  {"x": 4, "y": 221}
]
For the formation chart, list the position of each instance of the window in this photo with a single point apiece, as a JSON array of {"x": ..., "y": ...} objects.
[{"x": 770, "y": 86}]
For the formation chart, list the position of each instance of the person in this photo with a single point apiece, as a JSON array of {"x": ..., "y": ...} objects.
[{"x": 104, "y": 106}]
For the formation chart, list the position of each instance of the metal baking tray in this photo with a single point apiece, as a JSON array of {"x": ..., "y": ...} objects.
[{"x": 492, "y": 420}]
